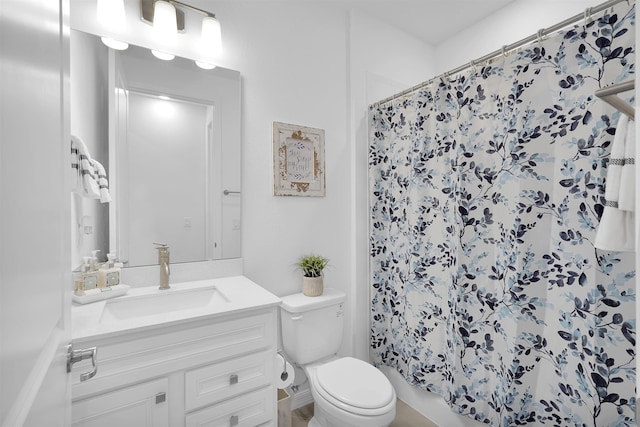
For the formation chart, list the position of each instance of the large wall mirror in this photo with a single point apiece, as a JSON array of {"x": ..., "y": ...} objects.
[{"x": 168, "y": 134}]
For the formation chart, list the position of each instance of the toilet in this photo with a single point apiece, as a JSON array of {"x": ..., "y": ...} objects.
[{"x": 347, "y": 392}]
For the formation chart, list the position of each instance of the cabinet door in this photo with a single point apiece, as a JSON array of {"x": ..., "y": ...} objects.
[{"x": 140, "y": 405}]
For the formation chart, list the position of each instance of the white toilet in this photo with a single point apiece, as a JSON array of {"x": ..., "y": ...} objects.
[{"x": 347, "y": 392}]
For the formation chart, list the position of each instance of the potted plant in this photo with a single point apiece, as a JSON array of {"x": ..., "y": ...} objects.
[{"x": 312, "y": 280}]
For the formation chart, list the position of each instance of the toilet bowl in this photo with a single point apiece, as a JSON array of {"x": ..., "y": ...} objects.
[{"x": 348, "y": 392}]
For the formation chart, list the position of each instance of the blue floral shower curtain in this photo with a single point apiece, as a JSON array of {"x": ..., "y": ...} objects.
[{"x": 485, "y": 194}]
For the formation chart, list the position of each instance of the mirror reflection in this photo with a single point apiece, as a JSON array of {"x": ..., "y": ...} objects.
[{"x": 172, "y": 154}]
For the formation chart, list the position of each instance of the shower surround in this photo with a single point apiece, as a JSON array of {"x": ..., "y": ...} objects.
[{"x": 486, "y": 190}]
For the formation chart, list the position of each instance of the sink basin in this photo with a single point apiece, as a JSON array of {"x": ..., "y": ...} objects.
[{"x": 162, "y": 303}]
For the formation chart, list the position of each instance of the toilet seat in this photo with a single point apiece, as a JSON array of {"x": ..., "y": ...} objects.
[{"x": 354, "y": 386}]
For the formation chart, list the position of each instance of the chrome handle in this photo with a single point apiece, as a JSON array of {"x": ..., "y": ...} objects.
[{"x": 74, "y": 356}]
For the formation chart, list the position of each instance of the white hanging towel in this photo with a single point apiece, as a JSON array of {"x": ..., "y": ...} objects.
[
  {"x": 105, "y": 197},
  {"x": 616, "y": 231},
  {"x": 90, "y": 177}
]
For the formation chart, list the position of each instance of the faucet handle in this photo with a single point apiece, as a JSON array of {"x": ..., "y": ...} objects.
[{"x": 163, "y": 250}]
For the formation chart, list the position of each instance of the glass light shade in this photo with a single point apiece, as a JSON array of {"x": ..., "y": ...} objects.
[
  {"x": 163, "y": 55},
  {"x": 205, "y": 65},
  {"x": 114, "y": 44},
  {"x": 211, "y": 38},
  {"x": 165, "y": 23},
  {"x": 110, "y": 13}
]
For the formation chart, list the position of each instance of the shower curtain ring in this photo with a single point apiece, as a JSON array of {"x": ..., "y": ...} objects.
[
  {"x": 587, "y": 16},
  {"x": 540, "y": 35},
  {"x": 504, "y": 51}
]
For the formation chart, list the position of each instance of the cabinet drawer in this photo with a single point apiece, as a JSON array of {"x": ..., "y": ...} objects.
[
  {"x": 248, "y": 410},
  {"x": 219, "y": 381}
]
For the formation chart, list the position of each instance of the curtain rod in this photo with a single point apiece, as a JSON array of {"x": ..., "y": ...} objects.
[{"x": 501, "y": 52}]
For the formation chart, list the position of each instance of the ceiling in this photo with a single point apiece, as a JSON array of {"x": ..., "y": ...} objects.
[{"x": 432, "y": 21}]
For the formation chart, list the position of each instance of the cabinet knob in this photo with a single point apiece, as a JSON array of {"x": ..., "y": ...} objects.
[
  {"x": 234, "y": 420},
  {"x": 233, "y": 379},
  {"x": 161, "y": 397}
]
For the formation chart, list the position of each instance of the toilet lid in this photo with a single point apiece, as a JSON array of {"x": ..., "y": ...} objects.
[{"x": 355, "y": 383}]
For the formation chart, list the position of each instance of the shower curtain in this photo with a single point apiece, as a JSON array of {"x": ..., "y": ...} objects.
[{"x": 485, "y": 194}]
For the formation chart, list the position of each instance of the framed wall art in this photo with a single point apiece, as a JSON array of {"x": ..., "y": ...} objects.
[{"x": 298, "y": 160}]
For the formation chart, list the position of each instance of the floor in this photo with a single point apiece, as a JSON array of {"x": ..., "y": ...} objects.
[{"x": 406, "y": 416}]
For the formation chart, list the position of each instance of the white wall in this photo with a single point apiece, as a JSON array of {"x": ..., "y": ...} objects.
[{"x": 292, "y": 58}]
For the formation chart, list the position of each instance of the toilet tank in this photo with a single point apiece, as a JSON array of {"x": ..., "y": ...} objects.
[{"x": 312, "y": 326}]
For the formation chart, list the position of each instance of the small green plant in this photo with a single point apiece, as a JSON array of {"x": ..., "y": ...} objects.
[{"x": 312, "y": 265}]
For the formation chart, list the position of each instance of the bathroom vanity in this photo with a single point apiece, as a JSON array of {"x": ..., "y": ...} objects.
[{"x": 201, "y": 353}]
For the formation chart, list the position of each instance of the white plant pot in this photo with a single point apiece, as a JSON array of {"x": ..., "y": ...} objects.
[{"x": 312, "y": 286}]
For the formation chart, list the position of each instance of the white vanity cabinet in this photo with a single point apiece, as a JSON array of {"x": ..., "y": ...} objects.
[{"x": 211, "y": 371}]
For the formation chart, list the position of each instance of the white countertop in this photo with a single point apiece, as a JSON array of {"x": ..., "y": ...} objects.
[{"x": 238, "y": 294}]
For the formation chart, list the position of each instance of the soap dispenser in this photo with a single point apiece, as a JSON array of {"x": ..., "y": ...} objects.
[
  {"x": 94, "y": 260},
  {"x": 89, "y": 276},
  {"x": 109, "y": 274}
]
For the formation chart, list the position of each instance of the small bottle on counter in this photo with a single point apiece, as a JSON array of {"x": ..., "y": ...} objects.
[
  {"x": 79, "y": 285},
  {"x": 89, "y": 277},
  {"x": 109, "y": 273}
]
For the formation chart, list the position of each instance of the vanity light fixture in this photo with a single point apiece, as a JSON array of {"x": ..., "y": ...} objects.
[
  {"x": 110, "y": 13},
  {"x": 167, "y": 18}
]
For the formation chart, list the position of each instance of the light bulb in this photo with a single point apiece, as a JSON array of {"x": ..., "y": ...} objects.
[
  {"x": 110, "y": 13},
  {"x": 211, "y": 37},
  {"x": 165, "y": 23}
]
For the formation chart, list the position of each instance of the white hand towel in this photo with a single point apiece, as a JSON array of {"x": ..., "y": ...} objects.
[
  {"x": 105, "y": 197},
  {"x": 86, "y": 181},
  {"x": 616, "y": 231}
]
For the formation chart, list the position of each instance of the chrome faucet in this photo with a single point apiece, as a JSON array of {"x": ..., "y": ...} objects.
[{"x": 163, "y": 260}]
